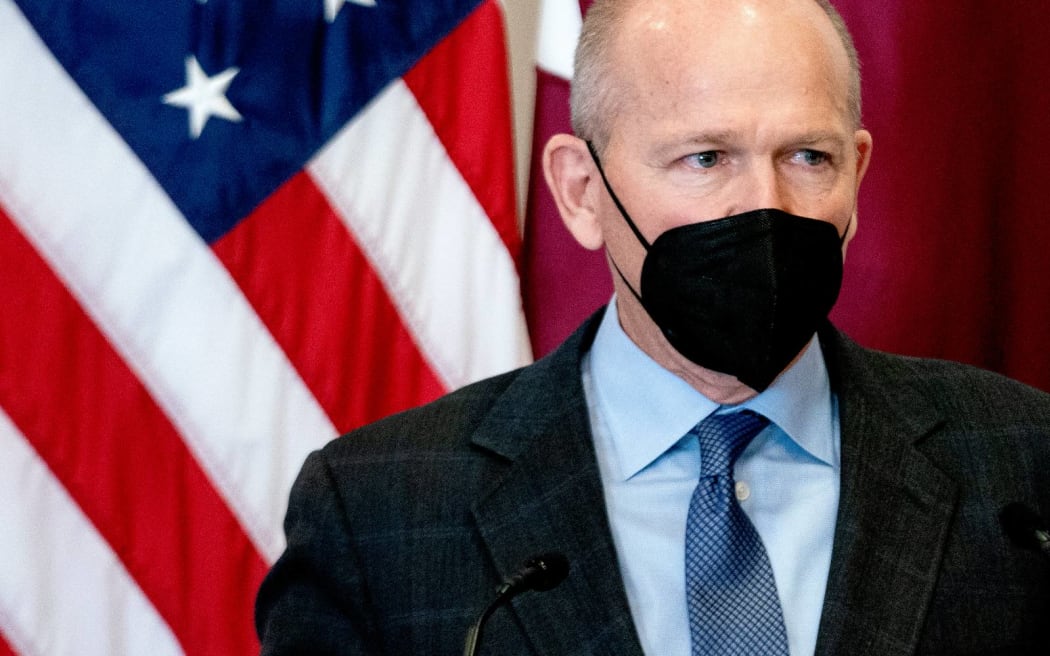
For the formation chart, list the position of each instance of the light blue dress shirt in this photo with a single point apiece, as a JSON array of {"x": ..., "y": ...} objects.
[{"x": 787, "y": 482}]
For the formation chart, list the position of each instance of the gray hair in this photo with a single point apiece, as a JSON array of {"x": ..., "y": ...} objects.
[{"x": 592, "y": 87}]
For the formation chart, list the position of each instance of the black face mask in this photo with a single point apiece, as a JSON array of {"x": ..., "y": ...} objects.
[{"x": 740, "y": 295}]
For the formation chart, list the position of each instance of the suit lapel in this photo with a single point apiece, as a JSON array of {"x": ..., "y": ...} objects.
[
  {"x": 894, "y": 512},
  {"x": 550, "y": 499}
]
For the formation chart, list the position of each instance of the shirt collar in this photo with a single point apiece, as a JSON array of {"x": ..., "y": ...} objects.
[{"x": 651, "y": 409}]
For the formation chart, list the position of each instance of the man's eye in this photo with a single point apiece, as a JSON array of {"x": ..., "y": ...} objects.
[
  {"x": 811, "y": 157},
  {"x": 704, "y": 160}
]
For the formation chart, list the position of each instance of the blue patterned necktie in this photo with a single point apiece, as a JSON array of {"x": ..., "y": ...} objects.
[{"x": 730, "y": 592}]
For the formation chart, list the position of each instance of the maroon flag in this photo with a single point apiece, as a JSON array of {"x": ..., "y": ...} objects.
[{"x": 563, "y": 283}]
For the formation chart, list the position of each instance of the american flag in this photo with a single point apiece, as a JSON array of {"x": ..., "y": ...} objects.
[{"x": 229, "y": 231}]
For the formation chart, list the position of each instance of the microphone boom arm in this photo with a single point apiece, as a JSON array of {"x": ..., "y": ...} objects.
[{"x": 542, "y": 572}]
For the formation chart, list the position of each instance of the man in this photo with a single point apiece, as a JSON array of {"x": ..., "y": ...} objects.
[{"x": 718, "y": 159}]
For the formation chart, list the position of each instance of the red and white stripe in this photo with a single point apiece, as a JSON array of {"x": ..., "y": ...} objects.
[
  {"x": 157, "y": 395},
  {"x": 58, "y": 552}
]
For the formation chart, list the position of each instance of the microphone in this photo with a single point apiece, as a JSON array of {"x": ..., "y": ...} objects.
[
  {"x": 1025, "y": 528},
  {"x": 543, "y": 572}
]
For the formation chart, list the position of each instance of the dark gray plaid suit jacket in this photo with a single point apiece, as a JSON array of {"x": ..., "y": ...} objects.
[{"x": 399, "y": 533}]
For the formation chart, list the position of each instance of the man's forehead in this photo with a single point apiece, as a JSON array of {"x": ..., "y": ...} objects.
[
  {"x": 665, "y": 44},
  {"x": 692, "y": 23},
  {"x": 724, "y": 65}
]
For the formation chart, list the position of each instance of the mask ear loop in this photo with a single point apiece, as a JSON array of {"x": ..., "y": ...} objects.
[
  {"x": 842, "y": 239},
  {"x": 623, "y": 213},
  {"x": 616, "y": 200}
]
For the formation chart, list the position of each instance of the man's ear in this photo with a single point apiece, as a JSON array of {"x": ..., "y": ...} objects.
[
  {"x": 571, "y": 175},
  {"x": 863, "y": 143}
]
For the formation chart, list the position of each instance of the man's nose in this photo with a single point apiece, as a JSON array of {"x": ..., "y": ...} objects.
[{"x": 763, "y": 188}]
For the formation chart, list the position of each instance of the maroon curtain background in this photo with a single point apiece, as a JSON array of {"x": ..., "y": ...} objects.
[{"x": 951, "y": 259}]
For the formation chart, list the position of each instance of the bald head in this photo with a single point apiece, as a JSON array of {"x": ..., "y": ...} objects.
[{"x": 615, "y": 31}]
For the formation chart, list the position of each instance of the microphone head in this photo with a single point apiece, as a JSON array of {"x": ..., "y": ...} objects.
[
  {"x": 546, "y": 571},
  {"x": 1022, "y": 525}
]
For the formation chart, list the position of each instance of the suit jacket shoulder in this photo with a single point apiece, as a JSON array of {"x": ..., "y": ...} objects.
[
  {"x": 958, "y": 391},
  {"x": 400, "y": 532}
]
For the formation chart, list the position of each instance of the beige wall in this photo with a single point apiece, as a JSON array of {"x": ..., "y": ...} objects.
[{"x": 522, "y": 17}]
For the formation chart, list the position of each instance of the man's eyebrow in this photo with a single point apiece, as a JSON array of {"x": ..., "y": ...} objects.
[
  {"x": 716, "y": 138},
  {"x": 699, "y": 141},
  {"x": 819, "y": 137}
]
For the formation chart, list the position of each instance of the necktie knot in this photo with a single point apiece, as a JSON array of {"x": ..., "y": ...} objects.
[{"x": 723, "y": 437}]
